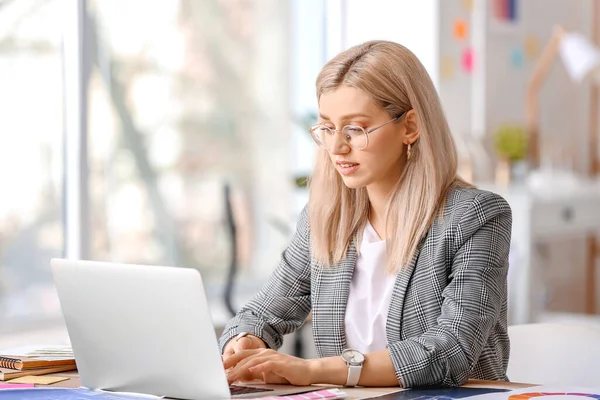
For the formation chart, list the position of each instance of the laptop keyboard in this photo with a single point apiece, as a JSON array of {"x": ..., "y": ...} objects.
[{"x": 235, "y": 390}]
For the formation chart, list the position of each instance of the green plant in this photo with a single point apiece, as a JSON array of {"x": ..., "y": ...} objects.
[
  {"x": 305, "y": 121},
  {"x": 511, "y": 142}
]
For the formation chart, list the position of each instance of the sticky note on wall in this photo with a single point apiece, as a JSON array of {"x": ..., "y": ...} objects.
[
  {"x": 506, "y": 10},
  {"x": 532, "y": 47},
  {"x": 516, "y": 57},
  {"x": 447, "y": 67},
  {"x": 468, "y": 60},
  {"x": 461, "y": 29}
]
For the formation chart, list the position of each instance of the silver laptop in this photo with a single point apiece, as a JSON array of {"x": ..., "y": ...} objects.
[{"x": 145, "y": 329}]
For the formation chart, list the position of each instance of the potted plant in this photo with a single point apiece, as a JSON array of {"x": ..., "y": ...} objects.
[
  {"x": 305, "y": 121},
  {"x": 510, "y": 142}
]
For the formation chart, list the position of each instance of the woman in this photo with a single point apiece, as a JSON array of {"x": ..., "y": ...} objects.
[{"x": 402, "y": 263}]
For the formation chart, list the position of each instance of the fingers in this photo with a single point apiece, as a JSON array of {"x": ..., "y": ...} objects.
[
  {"x": 228, "y": 352},
  {"x": 241, "y": 359},
  {"x": 236, "y": 346},
  {"x": 243, "y": 368},
  {"x": 277, "y": 367},
  {"x": 241, "y": 372},
  {"x": 266, "y": 366},
  {"x": 238, "y": 356},
  {"x": 241, "y": 376},
  {"x": 244, "y": 343}
]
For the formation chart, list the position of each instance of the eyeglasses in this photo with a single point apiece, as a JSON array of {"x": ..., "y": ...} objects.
[{"x": 354, "y": 136}]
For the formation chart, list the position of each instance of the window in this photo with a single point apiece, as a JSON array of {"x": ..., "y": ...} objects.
[
  {"x": 31, "y": 159},
  {"x": 183, "y": 98}
]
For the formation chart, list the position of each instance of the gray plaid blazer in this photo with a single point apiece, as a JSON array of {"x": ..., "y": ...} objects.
[{"x": 447, "y": 316}]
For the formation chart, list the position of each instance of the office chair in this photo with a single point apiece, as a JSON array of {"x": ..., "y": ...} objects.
[{"x": 551, "y": 353}]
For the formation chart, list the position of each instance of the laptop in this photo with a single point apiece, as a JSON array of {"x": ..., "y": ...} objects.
[{"x": 146, "y": 329}]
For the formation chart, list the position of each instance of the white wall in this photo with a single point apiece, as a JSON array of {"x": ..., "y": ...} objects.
[
  {"x": 455, "y": 81},
  {"x": 563, "y": 104},
  {"x": 564, "y": 115},
  {"x": 413, "y": 24}
]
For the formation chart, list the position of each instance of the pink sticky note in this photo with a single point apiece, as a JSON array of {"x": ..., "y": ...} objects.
[
  {"x": 16, "y": 385},
  {"x": 468, "y": 60}
]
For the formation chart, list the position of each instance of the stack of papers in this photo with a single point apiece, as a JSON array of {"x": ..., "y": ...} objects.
[{"x": 44, "y": 352}]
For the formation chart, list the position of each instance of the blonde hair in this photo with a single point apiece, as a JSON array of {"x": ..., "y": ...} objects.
[{"x": 396, "y": 80}]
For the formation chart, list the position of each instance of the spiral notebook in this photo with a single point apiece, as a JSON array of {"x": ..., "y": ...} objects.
[
  {"x": 24, "y": 362},
  {"x": 36, "y": 356}
]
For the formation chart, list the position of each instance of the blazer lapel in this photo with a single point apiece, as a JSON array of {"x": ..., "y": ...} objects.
[
  {"x": 393, "y": 326},
  {"x": 330, "y": 296}
]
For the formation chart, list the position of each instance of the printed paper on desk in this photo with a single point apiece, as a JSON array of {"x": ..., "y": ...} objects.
[
  {"x": 40, "y": 380},
  {"x": 41, "y": 351},
  {"x": 16, "y": 385},
  {"x": 329, "y": 394},
  {"x": 62, "y": 394},
  {"x": 445, "y": 393},
  {"x": 545, "y": 392}
]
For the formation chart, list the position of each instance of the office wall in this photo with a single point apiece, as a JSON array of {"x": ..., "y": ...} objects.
[
  {"x": 507, "y": 56},
  {"x": 411, "y": 23},
  {"x": 489, "y": 90},
  {"x": 510, "y": 57}
]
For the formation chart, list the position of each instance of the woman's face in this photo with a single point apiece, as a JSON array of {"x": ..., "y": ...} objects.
[{"x": 380, "y": 163}]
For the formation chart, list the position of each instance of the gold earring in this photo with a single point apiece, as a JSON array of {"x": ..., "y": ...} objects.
[{"x": 408, "y": 152}]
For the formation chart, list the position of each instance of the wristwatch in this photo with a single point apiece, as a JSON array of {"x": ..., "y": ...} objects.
[
  {"x": 354, "y": 360},
  {"x": 241, "y": 335}
]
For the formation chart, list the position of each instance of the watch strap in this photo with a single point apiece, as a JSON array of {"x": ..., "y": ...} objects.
[
  {"x": 241, "y": 335},
  {"x": 353, "y": 375}
]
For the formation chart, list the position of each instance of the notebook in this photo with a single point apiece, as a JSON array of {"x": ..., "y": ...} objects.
[
  {"x": 7, "y": 373},
  {"x": 24, "y": 362}
]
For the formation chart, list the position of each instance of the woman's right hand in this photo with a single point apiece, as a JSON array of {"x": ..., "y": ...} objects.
[{"x": 248, "y": 342}]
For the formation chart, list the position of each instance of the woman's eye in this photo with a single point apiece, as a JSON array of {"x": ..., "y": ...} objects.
[{"x": 354, "y": 130}]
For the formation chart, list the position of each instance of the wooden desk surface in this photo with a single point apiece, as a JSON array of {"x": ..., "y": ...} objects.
[{"x": 353, "y": 393}]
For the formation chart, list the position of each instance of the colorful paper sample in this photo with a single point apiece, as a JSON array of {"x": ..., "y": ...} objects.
[
  {"x": 467, "y": 60},
  {"x": 532, "y": 47},
  {"x": 505, "y": 10},
  {"x": 461, "y": 29},
  {"x": 517, "y": 59},
  {"x": 39, "y": 380},
  {"x": 468, "y": 5},
  {"x": 447, "y": 67}
]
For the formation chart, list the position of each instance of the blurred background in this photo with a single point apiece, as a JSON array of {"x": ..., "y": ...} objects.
[{"x": 174, "y": 132}]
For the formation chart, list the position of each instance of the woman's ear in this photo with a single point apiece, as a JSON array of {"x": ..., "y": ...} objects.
[{"x": 412, "y": 127}]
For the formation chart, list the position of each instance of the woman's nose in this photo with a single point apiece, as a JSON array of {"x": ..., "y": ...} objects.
[{"x": 338, "y": 145}]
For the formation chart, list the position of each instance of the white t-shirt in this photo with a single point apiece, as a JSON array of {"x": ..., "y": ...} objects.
[{"x": 369, "y": 298}]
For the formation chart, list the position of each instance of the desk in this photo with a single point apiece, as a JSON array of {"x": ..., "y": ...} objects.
[
  {"x": 539, "y": 214},
  {"x": 353, "y": 393}
]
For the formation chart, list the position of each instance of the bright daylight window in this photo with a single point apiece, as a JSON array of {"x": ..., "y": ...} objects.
[
  {"x": 31, "y": 160},
  {"x": 184, "y": 97}
]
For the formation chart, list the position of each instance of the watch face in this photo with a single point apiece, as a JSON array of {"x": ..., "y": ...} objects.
[{"x": 353, "y": 356}]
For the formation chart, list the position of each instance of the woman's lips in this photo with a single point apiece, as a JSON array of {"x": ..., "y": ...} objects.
[{"x": 347, "y": 168}]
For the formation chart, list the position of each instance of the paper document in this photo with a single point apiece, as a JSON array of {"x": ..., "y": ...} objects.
[
  {"x": 442, "y": 393},
  {"x": 545, "y": 392},
  {"x": 46, "y": 352},
  {"x": 63, "y": 394}
]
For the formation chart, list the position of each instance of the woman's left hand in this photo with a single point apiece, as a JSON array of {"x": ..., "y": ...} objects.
[{"x": 269, "y": 366}]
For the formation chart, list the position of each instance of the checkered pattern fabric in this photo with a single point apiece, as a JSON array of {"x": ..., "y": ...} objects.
[{"x": 447, "y": 320}]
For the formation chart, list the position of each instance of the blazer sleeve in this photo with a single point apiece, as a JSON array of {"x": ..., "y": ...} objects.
[
  {"x": 283, "y": 303},
  {"x": 471, "y": 302}
]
